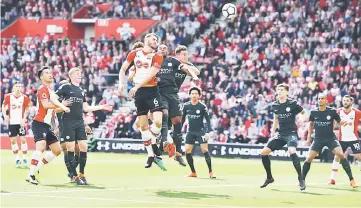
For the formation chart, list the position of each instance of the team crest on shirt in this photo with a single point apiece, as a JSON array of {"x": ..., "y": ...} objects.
[
  {"x": 328, "y": 117},
  {"x": 9, "y": 133},
  {"x": 22, "y": 130},
  {"x": 198, "y": 111},
  {"x": 43, "y": 95},
  {"x": 288, "y": 109},
  {"x": 170, "y": 64},
  {"x": 44, "y": 134},
  {"x": 67, "y": 137}
]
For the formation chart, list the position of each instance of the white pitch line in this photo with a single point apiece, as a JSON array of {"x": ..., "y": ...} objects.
[
  {"x": 151, "y": 188},
  {"x": 127, "y": 201}
]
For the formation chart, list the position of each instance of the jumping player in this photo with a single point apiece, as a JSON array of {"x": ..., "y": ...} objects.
[
  {"x": 146, "y": 94},
  {"x": 73, "y": 128},
  {"x": 18, "y": 106},
  {"x": 168, "y": 90},
  {"x": 196, "y": 111},
  {"x": 348, "y": 135},
  {"x": 172, "y": 75},
  {"x": 322, "y": 121},
  {"x": 44, "y": 136},
  {"x": 285, "y": 112}
]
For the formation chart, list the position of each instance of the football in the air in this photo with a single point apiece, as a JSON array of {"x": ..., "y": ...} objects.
[{"x": 229, "y": 10}]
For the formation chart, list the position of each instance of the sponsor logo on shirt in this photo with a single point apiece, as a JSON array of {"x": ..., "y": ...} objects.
[
  {"x": 323, "y": 123},
  {"x": 284, "y": 115},
  {"x": 165, "y": 71},
  {"x": 194, "y": 116}
]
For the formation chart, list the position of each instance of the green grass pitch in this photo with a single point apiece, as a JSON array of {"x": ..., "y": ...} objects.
[{"x": 120, "y": 180}]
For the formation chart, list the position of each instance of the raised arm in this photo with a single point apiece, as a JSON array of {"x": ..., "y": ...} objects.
[
  {"x": 124, "y": 68},
  {"x": 87, "y": 108}
]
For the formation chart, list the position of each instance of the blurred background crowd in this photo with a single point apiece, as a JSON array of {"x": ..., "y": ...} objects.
[{"x": 312, "y": 45}]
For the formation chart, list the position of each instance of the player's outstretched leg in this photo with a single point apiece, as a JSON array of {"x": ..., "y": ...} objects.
[
  {"x": 335, "y": 166},
  {"x": 307, "y": 165},
  {"x": 70, "y": 146},
  {"x": 67, "y": 162},
  {"x": 297, "y": 164},
  {"x": 76, "y": 154},
  {"x": 168, "y": 145},
  {"x": 155, "y": 129},
  {"x": 267, "y": 166},
  {"x": 148, "y": 146},
  {"x": 15, "y": 149},
  {"x": 177, "y": 137},
  {"x": 207, "y": 156},
  {"x": 40, "y": 148},
  {"x": 158, "y": 157},
  {"x": 146, "y": 137},
  {"x": 24, "y": 150},
  {"x": 345, "y": 164},
  {"x": 50, "y": 155},
  {"x": 83, "y": 147},
  {"x": 189, "y": 148}
]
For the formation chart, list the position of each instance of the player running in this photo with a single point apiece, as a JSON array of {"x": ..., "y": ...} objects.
[
  {"x": 285, "y": 112},
  {"x": 196, "y": 111},
  {"x": 44, "y": 136},
  {"x": 73, "y": 127},
  {"x": 146, "y": 94},
  {"x": 322, "y": 121},
  {"x": 348, "y": 135},
  {"x": 18, "y": 106}
]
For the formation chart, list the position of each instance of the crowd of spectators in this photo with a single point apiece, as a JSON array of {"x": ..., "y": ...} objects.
[
  {"x": 100, "y": 61},
  {"x": 312, "y": 45},
  {"x": 12, "y": 9}
]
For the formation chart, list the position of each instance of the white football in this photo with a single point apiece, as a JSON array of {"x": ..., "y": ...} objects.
[{"x": 229, "y": 10}]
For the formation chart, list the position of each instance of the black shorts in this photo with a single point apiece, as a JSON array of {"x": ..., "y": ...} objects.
[
  {"x": 317, "y": 145},
  {"x": 43, "y": 131},
  {"x": 354, "y": 145},
  {"x": 192, "y": 138},
  {"x": 16, "y": 130},
  {"x": 281, "y": 140},
  {"x": 148, "y": 99},
  {"x": 73, "y": 130},
  {"x": 172, "y": 103}
]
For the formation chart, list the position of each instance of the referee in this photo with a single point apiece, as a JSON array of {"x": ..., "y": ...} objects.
[{"x": 73, "y": 122}]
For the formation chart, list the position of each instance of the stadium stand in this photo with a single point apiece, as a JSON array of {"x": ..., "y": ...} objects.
[{"x": 313, "y": 46}]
